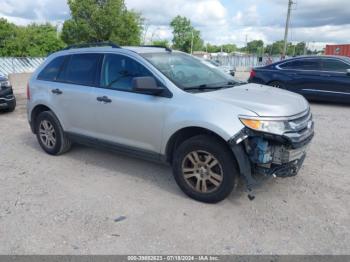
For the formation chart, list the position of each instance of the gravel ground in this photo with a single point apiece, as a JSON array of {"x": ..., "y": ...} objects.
[{"x": 90, "y": 201}]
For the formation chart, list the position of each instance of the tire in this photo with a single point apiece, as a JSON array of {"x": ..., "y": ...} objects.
[
  {"x": 58, "y": 142},
  {"x": 277, "y": 84},
  {"x": 205, "y": 182}
]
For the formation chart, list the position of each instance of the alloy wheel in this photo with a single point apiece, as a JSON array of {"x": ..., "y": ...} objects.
[
  {"x": 47, "y": 134},
  {"x": 202, "y": 171}
]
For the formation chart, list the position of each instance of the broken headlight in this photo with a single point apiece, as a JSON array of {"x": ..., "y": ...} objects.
[{"x": 277, "y": 127}]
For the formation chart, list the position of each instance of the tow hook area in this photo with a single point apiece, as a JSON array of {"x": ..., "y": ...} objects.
[{"x": 262, "y": 157}]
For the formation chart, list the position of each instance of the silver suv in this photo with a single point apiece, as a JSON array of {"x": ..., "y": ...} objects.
[{"x": 168, "y": 106}]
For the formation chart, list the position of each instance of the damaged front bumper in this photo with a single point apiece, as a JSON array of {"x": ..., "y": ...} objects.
[{"x": 272, "y": 155}]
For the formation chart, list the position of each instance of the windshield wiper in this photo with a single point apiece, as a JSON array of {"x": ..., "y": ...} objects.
[{"x": 211, "y": 87}]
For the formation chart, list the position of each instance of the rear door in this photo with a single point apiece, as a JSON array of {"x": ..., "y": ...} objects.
[{"x": 74, "y": 93}]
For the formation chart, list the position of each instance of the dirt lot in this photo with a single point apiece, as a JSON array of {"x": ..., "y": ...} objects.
[{"x": 69, "y": 204}]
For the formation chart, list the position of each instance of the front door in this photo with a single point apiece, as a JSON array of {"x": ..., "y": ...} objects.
[{"x": 124, "y": 117}]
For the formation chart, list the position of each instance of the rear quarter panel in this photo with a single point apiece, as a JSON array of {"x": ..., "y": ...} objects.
[{"x": 267, "y": 75}]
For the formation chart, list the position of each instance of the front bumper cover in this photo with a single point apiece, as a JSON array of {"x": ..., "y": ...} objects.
[
  {"x": 7, "y": 99},
  {"x": 270, "y": 155}
]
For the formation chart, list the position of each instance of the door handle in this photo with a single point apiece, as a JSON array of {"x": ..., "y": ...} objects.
[
  {"x": 104, "y": 99},
  {"x": 326, "y": 75},
  {"x": 57, "y": 91}
]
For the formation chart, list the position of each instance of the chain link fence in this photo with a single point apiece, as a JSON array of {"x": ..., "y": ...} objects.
[
  {"x": 246, "y": 62},
  {"x": 11, "y": 65}
]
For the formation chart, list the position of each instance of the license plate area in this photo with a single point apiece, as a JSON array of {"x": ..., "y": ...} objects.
[{"x": 283, "y": 155}]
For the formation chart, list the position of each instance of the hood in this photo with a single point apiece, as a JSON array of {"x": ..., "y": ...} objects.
[{"x": 263, "y": 100}]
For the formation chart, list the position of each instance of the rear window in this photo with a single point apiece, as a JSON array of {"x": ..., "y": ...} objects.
[
  {"x": 81, "y": 69},
  {"x": 50, "y": 72}
]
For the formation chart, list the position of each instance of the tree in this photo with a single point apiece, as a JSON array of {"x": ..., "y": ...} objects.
[
  {"x": 102, "y": 20},
  {"x": 164, "y": 43},
  {"x": 40, "y": 40},
  {"x": 33, "y": 40},
  {"x": 276, "y": 48},
  {"x": 183, "y": 33},
  {"x": 300, "y": 48},
  {"x": 255, "y": 46},
  {"x": 213, "y": 48},
  {"x": 229, "y": 48},
  {"x": 7, "y": 34}
]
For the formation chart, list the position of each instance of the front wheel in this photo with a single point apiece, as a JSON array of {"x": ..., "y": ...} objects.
[{"x": 205, "y": 169}]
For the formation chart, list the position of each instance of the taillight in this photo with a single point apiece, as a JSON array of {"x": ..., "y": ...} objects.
[
  {"x": 252, "y": 74},
  {"x": 28, "y": 92}
]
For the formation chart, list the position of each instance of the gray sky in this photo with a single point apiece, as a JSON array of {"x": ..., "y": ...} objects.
[{"x": 220, "y": 21}]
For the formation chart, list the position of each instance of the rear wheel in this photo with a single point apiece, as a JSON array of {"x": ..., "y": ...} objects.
[
  {"x": 204, "y": 168},
  {"x": 277, "y": 84},
  {"x": 50, "y": 134}
]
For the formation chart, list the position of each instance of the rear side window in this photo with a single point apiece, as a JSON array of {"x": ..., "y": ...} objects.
[
  {"x": 50, "y": 72},
  {"x": 334, "y": 65},
  {"x": 81, "y": 69},
  {"x": 292, "y": 65},
  {"x": 307, "y": 64}
]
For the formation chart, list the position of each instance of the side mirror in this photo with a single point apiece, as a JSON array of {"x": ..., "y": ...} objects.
[
  {"x": 147, "y": 85},
  {"x": 348, "y": 72}
]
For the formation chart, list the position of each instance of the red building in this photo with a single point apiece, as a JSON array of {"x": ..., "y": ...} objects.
[{"x": 343, "y": 50}]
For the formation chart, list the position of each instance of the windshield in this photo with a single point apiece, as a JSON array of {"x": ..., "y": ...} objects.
[{"x": 190, "y": 73}]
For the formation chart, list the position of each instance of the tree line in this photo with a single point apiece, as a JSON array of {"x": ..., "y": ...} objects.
[{"x": 110, "y": 20}]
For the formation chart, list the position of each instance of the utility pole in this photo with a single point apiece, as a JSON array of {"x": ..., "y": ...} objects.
[
  {"x": 290, "y": 3},
  {"x": 192, "y": 39},
  {"x": 305, "y": 48}
]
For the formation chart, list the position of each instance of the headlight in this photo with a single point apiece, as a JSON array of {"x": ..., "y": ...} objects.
[{"x": 267, "y": 126}]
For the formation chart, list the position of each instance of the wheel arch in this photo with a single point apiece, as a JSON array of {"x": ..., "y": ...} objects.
[
  {"x": 184, "y": 134},
  {"x": 35, "y": 113}
]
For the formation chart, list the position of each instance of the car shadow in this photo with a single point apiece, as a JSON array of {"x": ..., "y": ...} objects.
[
  {"x": 116, "y": 164},
  {"x": 328, "y": 103}
]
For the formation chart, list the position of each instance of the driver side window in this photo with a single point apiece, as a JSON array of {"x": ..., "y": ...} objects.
[{"x": 118, "y": 72}]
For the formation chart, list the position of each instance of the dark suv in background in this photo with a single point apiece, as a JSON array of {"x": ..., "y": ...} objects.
[
  {"x": 324, "y": 78},
  {"x": 7, "y": 98}
]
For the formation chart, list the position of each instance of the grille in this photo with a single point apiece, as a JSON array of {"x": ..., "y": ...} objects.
[{"x": 302, "y": 123}]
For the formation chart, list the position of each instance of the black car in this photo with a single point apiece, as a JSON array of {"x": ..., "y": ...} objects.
[
  {"x": 7, "y": 98},
  {"x": 324, "y": 78}
]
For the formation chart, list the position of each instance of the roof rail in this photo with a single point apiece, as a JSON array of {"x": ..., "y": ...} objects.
[
  {"x": 97, "y": 44},
  {"x": 158, "y": 46}
]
